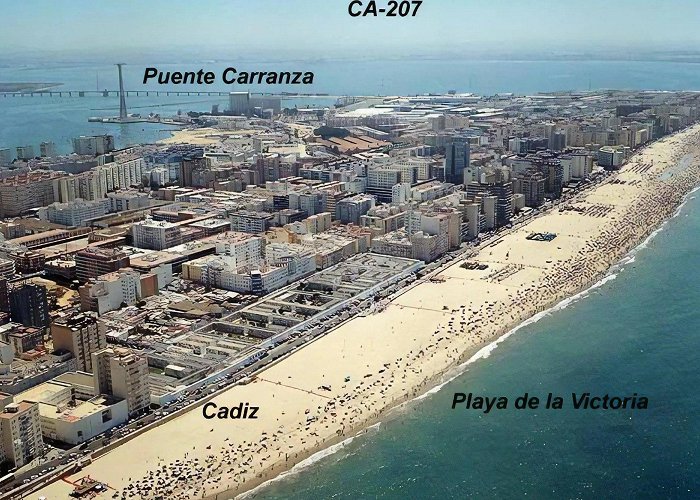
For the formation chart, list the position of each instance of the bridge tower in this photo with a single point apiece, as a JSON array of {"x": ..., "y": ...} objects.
[{"x": 122, "y": 98}]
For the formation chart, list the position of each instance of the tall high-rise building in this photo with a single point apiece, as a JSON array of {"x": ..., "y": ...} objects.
[
  {"x": 29, "y": 305},
  {"x": 25, "y": 152},
  {"x": 532, "y": 185},
  {"x": 4, "y": 296},
  {"x": 93, "y": 145},
  {"x": 20, "y": 432},
  {"x": 557, "y": 141},
  {"x": 189, "y": 165},
  {"x": 457, "y": 154},
  {"x": 6, "y": 156},
  {"x": 156, "y": 235},
  {"x": 47, "y": 149},
  {"x": 123, "y": 373},
  {"x": 496, "y": 183},
  {"x": 94, "y": 184},
  {"x": 93, "y": 262},
  {"x": 78, "y": 333},
  {"x": 239, "y": 103},
  {"x": 554, "y": 173},
  {"x": 23, "y": 192}
]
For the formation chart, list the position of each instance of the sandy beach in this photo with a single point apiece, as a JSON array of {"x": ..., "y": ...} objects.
[
  {"x": 412, "y": 345},
  {"x": 201, "y": 136}
]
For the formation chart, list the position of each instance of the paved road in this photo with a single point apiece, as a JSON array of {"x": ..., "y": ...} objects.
[{"x": 70, "y": 457}]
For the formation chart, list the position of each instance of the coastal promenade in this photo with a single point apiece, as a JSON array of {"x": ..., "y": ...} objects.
[{"x": 347, "y": 380}]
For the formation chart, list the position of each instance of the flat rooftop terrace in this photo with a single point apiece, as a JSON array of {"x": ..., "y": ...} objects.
[{"x": 322, "y": 291}]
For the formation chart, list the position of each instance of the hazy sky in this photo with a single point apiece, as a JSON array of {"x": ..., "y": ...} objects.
[{"x": 323, "y": 28}]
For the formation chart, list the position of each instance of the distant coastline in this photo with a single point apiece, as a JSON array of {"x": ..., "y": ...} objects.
[{"x": 27, "y": 86}]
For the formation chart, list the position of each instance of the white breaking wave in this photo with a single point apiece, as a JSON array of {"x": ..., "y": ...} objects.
[
  {"x": 308, "y": 462},
  {"x": 485, "y": 351},
  {"x": 482, "y": 353},
  {"x": 629, "y": 258},
  {"x": 373, "y": 426},
  {"x": 644, "y": 244}
]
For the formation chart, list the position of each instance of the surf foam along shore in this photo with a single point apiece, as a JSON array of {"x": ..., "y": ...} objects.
[
  {"x": 412, "y": 345},
  {"x": 308, "y": 462},
  {"x": 482, "y": 353},
  {"x": 611, "y": 275}
]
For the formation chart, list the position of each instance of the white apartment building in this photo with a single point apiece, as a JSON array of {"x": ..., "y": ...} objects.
[
  {"x": 123, "y": 373},
  {"x": 383, "y": 178},
  {"x": 74, "y": 213},
  {"x": 96, "y": 183},
  {"x": 422, "y": 166},
  {"x": 128, "y": 199},
  {"x": 20, "y": 432},
  {"x": 64, "y": 417},
  {"x": 401, "y": 193},
  {"x": 159, "y": 176},
  {"x": 576, "y": 166},
  {"x": 109, "y": 291},
  {"x": 315, "y": 224},
  {"x": 156, "y": 235},
  {"x": 245, "y": 249},
  {"x": 284, "y": 264},
  {"x": 93, "y": 145}
]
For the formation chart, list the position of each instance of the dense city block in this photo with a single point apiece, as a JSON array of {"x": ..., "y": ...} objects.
[{"x": 135, "y": 281}]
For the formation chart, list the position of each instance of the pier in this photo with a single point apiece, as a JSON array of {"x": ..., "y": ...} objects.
[{"x": 150, "y": 93}]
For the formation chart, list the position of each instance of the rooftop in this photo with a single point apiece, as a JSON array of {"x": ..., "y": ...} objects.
[{"x": 21, "y": 407}]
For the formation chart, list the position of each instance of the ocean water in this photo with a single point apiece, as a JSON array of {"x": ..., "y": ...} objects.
[
  {"x": 638, "y": 332},
  {"x": 31, "y": 120}
]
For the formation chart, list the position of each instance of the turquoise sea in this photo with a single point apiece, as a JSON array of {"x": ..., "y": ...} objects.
[
  {"x": 638, "y": 332},
  {"x": 36, "y": 119}
]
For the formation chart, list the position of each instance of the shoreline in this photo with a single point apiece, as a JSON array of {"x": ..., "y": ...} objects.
[
  {"x": 468, "y": 357},
  {"x": 317, "y": 455},
  {"x": 338, "y": 443},
  {"x": 635, "y": 203},
  {"x": 451, "y": 373},
  {"x": 200, "y": 136}
]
